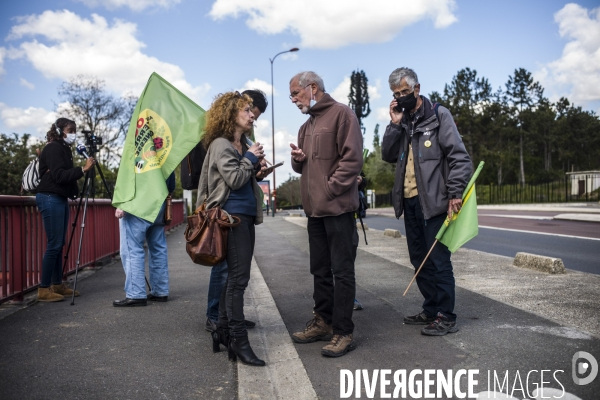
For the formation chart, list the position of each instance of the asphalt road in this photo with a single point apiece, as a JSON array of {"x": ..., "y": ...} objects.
[{"x": 577, "y": 254}]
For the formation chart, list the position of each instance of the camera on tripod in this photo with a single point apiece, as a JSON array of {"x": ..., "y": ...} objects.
[{"x": 92, "y": 141}]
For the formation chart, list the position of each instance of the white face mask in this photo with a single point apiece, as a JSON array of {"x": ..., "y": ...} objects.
[
  {"x": 312, "y": 101},
  {"x": 70, "y": 138}
]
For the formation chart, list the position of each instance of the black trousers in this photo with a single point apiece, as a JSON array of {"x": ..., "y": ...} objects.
[
  {"x": 240, "y": 247},
  {"x": 332, "y": 243},
  {"x": 436, "y": 279}
]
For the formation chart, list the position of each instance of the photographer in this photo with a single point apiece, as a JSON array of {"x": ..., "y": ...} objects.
[{"x": 57, "y": 185}]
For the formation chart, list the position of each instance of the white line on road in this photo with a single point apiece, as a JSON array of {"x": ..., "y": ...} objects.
[
  {"x": 516, "y": 216},
  {"x": 538, "y": 233}
]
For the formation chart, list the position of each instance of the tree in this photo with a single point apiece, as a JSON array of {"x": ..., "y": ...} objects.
[
  {"x": 358, "y": 99},
  {"x": 522, "y": 92},
  {"x": 288, "y": 193},
  {"x": 380, "y": 174},
  {"x": 465, "y": 96},
  {"x": 93, "y": 109},
  {"x": 16, "y": 155}
]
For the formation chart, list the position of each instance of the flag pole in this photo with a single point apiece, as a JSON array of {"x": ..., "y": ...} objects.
[{"x": 419, "y": 270}]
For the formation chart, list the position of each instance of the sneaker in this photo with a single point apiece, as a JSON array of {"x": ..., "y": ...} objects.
[
  {"x": 441, "y": 326},
  {"x": 357, "y": 305},
  {"x": 338, "y": 346},
  {"x": 316, "y": 329},
  {"x": 419, "y": 319}
]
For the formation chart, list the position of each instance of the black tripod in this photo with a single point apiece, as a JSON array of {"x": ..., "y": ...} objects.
[{"x": 87, "y": 184}]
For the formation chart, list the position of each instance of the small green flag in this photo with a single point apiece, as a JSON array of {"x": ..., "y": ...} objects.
[
  {"x": 464, "y": 225},
  {"x": 164, "y": 128}
]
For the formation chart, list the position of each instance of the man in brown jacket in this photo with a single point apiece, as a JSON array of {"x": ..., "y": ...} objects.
[{"x": 329, "y": 157}]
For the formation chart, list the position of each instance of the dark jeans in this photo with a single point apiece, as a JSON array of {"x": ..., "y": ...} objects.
[
  {"x": 218, "y": 278},
  {"x": 240, "y": 247},
  {"x": 436, "y": 279},
  {"x": 333, "y": 242},
  {"x": 55, "y": 215}
]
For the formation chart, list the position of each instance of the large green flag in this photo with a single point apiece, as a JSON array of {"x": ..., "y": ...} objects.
[
  {"x": 464, "y": 225},
  {"x": 164, "y": 128}
]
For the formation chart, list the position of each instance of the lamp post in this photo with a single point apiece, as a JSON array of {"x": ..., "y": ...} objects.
[{"x": 273, "y": 119}]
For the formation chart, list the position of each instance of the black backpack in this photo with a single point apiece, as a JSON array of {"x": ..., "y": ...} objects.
[{"x": 191, "y": 167}]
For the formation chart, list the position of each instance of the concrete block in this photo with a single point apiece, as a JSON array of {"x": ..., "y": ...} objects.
[
  {"x": 539, "y": 263},
  {"x": 392, "y": 233},
  {"x": 359, "y": 227},
  {"x": 296, "y": 213}
]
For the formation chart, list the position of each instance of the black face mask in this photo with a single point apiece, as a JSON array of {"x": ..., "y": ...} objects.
[{"x": 407, "y": 102}]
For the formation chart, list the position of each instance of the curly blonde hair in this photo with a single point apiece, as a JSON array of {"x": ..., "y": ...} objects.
[{"x": 222, "y": 117}]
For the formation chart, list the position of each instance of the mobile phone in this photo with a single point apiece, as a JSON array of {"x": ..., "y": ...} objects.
[
  {"x": 398, "y": 109},
  {"x": 272, "y": 167}
]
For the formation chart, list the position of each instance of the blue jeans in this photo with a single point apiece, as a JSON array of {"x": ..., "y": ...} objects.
[
  {"x": 436, "y": 279},
  {"x": 218, "y": 278},
  {"x": 134, "y": 231},
  {"x": 55, "y": 215}
]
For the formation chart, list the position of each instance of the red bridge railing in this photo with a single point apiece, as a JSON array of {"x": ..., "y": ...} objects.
[{"x": 23, "y": 240}]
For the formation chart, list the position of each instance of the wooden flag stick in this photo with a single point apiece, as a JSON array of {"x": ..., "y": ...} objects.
[{"x": 419, "y": 270}]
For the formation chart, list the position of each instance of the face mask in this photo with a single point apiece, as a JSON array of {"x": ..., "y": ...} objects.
[
  {"x": 312, "y": 101},
  {"x": 407, "y": 102},
  {"x": 70, "y": 138}
]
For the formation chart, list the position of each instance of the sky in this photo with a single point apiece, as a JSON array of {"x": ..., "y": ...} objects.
[{"x": 209, "y": 47}]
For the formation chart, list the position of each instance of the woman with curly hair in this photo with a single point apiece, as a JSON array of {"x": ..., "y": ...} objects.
[
  {"x": 57, "y": 185},
  {"x": 228, "y": 180}
]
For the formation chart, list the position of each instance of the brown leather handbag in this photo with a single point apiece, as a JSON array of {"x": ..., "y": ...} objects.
[{"x": 206, "y": 235}]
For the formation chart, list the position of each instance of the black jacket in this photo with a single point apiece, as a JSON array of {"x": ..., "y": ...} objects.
[
  {"x": 57, "y": 171},
  {"x": 442, "y": 165}
]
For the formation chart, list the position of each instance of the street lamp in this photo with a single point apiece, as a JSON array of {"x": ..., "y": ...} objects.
[{"x": 273, "y": 118}]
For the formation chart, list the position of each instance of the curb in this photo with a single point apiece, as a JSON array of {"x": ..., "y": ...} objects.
[{"x": 284, "y": 376}]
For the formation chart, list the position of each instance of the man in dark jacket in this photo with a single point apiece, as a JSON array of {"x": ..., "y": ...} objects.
[
  {"x": 329, "y": 157},
  {"x": 432, "y": 171}
]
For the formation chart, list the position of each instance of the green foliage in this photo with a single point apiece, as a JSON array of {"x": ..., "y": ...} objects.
[
  {"x": 358, "y": 99},
  {"x": 16, "y": 155},
  {"x": 379, "y": 174},
  {"x": 288, "y": 193}
]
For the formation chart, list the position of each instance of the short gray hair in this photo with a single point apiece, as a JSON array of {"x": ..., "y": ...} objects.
[
  {"x": 403, "y": 73},
  {"x": 307, "y": 77}
]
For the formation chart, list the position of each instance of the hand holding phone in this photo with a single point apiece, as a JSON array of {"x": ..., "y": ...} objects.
[{"x": 395, "y": 112}]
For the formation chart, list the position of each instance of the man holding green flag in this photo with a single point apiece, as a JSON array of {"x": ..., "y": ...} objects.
[
  {"x": 164, "y": 128},
  {"x": 432, "y": 171}
]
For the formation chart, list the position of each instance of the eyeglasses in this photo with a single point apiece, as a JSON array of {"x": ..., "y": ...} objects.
[
  {"x": 295, "y": 93},
  {"x": 402, "y": 93}
]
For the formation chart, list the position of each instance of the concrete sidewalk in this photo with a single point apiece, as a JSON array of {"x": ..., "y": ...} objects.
[{"x": 511, "y": 321}]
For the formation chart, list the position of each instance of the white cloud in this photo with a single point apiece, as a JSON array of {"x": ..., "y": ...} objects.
[
  {"x": 22, "y": 119},
  {"x": 112, "y": 53},
  {"x": 264, "y": 136},
  {"x": 383, "y": 115},
  {"x": 260, "y": 85},
  {"x": 576, "y": 74},
  {"x": 135, "y": 5},
  {"x": 341, "y": 92},
  {"x": 336, "y": 23},
  {"x": 26, "y": 83},
  {"x": 2, "y": 55}
]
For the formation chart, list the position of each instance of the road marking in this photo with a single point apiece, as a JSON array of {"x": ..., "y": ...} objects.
[
  {"x": 538, "y": 233},
  {"x": 516, "y": 216}
]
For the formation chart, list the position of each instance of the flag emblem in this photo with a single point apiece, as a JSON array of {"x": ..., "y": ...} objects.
[{"x": 153, "y": 141}]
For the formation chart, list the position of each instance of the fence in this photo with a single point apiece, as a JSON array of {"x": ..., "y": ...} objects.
[
  {"x": 565, "y": 190},
  {"x": 23, "y": 241}
]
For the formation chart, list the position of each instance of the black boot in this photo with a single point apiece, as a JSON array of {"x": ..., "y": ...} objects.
[
  {"x": 240, "y": 347},
  {"x": 220, "y": 337}
]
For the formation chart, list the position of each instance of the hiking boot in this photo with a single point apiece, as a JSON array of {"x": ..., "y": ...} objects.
[
  {"x": 441, "y": 326},
  {"x": 357, "y": 305},
  {"x": 64, "y": 290},
  {"x": 419, "y": 319},
  {"x": 338, "y": 346},
  {"x": 46, "y": 294},
  {"x": 316, "y": 329}
]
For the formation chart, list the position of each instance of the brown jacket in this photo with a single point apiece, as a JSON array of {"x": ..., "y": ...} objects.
[{"x": 332, "y": 142}]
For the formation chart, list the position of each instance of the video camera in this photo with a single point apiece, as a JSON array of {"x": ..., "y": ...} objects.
[{"x": 92, "y": 141}]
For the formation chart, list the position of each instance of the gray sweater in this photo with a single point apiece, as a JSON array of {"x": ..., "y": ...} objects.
[{"x": 222, "y": 172}]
